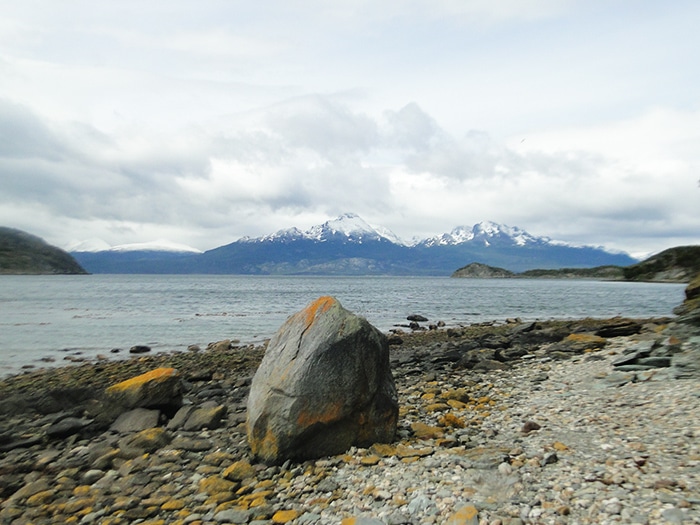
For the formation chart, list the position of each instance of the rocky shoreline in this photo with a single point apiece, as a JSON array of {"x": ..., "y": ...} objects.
[{"x": 587, "y": 421}]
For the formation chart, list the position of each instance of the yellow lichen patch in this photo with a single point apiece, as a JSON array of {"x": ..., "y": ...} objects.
[
  {"x": 173, "y": 504},
  {"x": 457, "y": 405},
  {"x": 320, "y": 305},
  {"x": 40, "y": 498},
  {"x": 383, "y": 450},
  {"x": 451, "y": 420},
  {"x": 436, "y": 407},
  {"x": 464, "y": 516},
  {"x": 285, "y": 516},
  {"x": 457, "y": 394},
  {"x": 423, "y": 431},
  {"x": 239, "y": 471},
  {"x": 370, "y": 460},
  {"x": 266, "y": 447},
  {"x": 159, "y": 374},
  {"x": 215, "y": 485}
]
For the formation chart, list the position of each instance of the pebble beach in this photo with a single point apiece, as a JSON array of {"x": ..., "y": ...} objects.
[{"x": 563, "y": 433}]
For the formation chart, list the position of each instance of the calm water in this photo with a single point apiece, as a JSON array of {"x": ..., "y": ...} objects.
[{"x": 59, "y": 316}]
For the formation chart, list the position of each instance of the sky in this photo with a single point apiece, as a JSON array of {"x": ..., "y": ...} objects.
[{"x": 204, "y": 121}]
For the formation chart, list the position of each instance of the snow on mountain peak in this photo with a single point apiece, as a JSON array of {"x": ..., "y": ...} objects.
[
  {"x": 89, "y": 245},
  {"x": 486, "y": 232},
  {"x": 348, "y": 224},
  {"x": 161, "y": 245}
]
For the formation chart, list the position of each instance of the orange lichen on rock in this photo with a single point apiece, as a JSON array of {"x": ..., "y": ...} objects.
[
  {"x": 320, "y": 305},
  {"x": 157, "y": 375},
  {"x": 332, "y": 412}
]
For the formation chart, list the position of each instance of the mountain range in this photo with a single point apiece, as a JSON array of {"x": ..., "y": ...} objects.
[{"x": 348, "y": 245}]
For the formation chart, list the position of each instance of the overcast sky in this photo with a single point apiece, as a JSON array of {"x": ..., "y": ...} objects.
[{"x": 204, "y": 121}]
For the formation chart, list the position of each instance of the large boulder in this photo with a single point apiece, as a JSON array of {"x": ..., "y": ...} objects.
[{"x": 323, "y": 386}]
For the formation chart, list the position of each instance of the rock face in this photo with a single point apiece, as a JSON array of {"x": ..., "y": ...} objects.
[
  {"x": 689, "y": 311},
  {"x": 324, "y": 385}
]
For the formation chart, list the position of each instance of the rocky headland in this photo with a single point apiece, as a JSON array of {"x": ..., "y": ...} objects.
[{"x": 586, "y": 421}]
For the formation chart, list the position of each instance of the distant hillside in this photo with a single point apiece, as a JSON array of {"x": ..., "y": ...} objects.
[
  {"x": 675, "y": 265},
  {"x": 678, "y": 264},
  {"x": 22, "y": 253},
  {"x": 483, "y": 271}
]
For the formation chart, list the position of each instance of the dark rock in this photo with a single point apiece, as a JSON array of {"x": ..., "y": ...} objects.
[
  {"x": 180, "y": 417},
  {"x": 394, "y": 340},
  {"x": 323, "y": 386},
  {"x": 139, "y": 349},
  {"x": 530, "y": 426},
  {"x": 417, "y": 318},
  {"x": 23, "y": 442},
  {"x": 67, "y": 427},
  {"x": 620, "y": 329}
]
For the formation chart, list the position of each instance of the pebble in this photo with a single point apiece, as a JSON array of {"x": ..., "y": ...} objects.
[{"x": 547, "y": 441}]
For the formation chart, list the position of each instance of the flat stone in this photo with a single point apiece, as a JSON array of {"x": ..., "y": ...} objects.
[{"x": 136, "y": 420}]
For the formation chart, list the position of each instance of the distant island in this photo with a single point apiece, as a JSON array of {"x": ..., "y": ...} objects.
[
  {"x": 674, "y": 265},
  {"x": 24, "y": 254}
]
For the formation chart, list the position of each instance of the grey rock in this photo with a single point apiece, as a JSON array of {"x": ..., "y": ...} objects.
[
  {"x": 324, "y": 385},
  {"x": 232, "y": 516},
  {"x": 180, "y": 417},
  {"x": 136, "y": 420},
  {"x": 205, "y": 417}
]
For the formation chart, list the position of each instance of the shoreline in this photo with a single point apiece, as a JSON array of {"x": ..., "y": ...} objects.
[{"x": 615, "y": 446}]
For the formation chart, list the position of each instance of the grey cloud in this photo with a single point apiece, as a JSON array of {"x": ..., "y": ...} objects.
[
  {"x": 322, "y": 124},
  {"x": 412, "y": 128},
  {"x": 23, "y": 135}
]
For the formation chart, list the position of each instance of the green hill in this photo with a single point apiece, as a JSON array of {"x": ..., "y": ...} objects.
[
  {"x": 678, "y": 264},
  {"x": 22, "y": 253}
]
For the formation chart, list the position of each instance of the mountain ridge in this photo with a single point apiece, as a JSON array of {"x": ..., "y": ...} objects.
[{"x": 348, "y": 245}]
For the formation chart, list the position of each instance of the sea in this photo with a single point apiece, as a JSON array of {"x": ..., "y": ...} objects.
[{"x": 60, "y": 319}]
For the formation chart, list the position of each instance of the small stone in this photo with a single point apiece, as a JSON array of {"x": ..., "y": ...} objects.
[{"x": 530, "y": 426}]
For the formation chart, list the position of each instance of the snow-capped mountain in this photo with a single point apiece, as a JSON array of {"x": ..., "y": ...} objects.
[
  {"x": 348, "y": 227},
  {"x": 486, "y": 233},
  {"x": 348, "y": 245}
]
